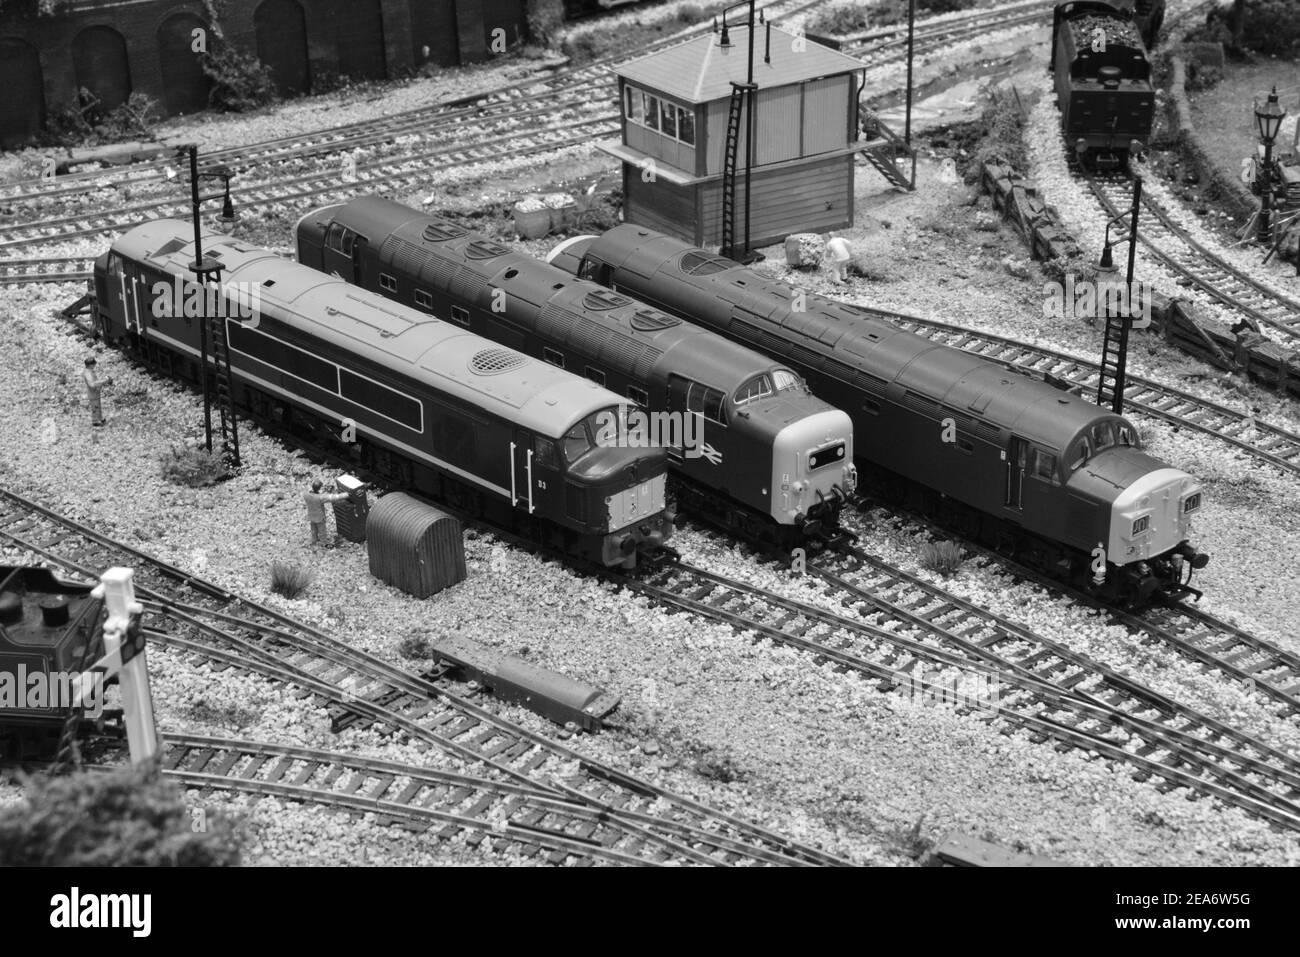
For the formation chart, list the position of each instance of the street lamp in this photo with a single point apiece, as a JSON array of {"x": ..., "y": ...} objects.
[
  {"x": 1268, "y": 120},
  {"x": 206, "y": 269}
]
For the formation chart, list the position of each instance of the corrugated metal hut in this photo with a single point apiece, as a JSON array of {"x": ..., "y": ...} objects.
[
  {"x": 413, "y": 546},
  {"x": 674, "y": 106}
]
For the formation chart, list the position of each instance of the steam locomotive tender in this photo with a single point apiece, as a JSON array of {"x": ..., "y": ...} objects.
[
  {"x": 425, "y": 403},
  {"x": 769, "y": 460},
  {"x": 49, "y": 627},
  {"x": 1103, "y": 82},
  {"x": 1001, "y": 457}
]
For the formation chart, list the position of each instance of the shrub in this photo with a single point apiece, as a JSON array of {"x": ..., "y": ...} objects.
[
  {"x": 415, "y": 647},
  {"x": 690, "y": 14},
  {"x": 193, "y": 466},
  {"x": 125, "y": 818},
  {"x": 582, "y": 48},
  {"x": 290, "y": 580},
  {"x": 869, "y": 268},
  {"x": 1003, "y": 140},
  {"x": 133, "y": 118},
  {"x": 944, "y": 6},
  {"x": 942, "y": 557},
  {"x": 546, "y": 21},
  {"x": 1272, "y": 27},
  {"x": 240, "y": 81}
]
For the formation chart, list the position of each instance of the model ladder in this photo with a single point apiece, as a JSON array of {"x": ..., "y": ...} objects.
[
  {"x": 736, "y": 111},
  {"x": 1114, "y": 353},
  {"x": 221, "y": 388}
]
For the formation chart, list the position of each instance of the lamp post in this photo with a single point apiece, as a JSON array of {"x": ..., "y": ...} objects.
[
  {"x": 205, "y": 269},
  {"x": 1268, "y": 120},
  {"x": 1125, "y": 316},
  {"x": 725, "y": 40},
  {"x": 907, "y": 123}
]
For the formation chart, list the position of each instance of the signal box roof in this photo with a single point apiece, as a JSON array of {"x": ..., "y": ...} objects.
[{"x": 700, "y": 70}]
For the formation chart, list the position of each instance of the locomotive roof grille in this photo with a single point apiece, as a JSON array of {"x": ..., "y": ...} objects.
[
  {"x": 496, "y": 361},
  {"x": 485, "y": 249},
  {"x": 441, "y": 232},
  {"x": 651, "y": 320},
  {"x": 601, "y": 299},
  {"x": 702, "y": 264}
]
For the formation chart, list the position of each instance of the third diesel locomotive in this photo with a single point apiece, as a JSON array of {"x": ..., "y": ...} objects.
[{"x": 1002, "y": 457}]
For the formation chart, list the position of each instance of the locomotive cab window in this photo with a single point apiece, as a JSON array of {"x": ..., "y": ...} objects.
[
  {"x": 706, "y": 402},
  {"x": 576, "y": 443},
  {"x": 1102, "y": 436},
  {"x": 755, "y": 388},
  {"x": 340, "y": 239},
  {"x": 786, "y": 381},
  {"x": 1124, "y": 433},
  {"x": 1079, "y": 454},
  {"x": 544, "y": 453},
  {"x": 1042, "y": 465}
]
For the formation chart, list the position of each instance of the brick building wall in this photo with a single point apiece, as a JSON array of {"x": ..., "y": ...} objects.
[{"x": 114, "y": 47}]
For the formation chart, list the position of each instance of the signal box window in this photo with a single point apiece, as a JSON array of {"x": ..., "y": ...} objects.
[
  {"x": 387, "y": 282},
  {"x": 460, "y": 314}
]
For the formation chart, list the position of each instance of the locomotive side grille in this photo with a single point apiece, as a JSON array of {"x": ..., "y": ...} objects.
[
  {"x": 615, "y": 349},
  {"x": 922, "y": 405},
  {"x": 406, "y": 257},
  {"x": 438, "y": 270},
  {"x": 467, "y": 285}
]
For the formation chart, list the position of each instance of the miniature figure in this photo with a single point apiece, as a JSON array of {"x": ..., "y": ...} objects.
[
  {"x": 841, "y": 255},
  {"x": 94, "y": 386},
  {"x": 316, "y": 511}
]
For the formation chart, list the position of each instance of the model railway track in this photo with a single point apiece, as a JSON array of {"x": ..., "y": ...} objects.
[
  {"x": 54, "y": 269},
  {"x": 459, "y": 806},
  {"x": 881, "y": 593},
  {"x": 247, "y": 635},
  {"x": 1175, "y": 756},
  {"x": 875, "y": 47},
  {"x": 1268, "y": 443},
  {"x": 403, "y": 171},
  {"x": 460, "y": 135},
  {"x": 1175, "y": 248}
]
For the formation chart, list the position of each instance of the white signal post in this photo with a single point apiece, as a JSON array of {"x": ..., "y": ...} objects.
[{"x": 127, "y": 659}]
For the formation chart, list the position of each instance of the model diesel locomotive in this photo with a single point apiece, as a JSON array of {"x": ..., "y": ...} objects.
[
  {"x": 425, "y": 403},
  {"x": 51, "y": 629},
  {"x": 1103, "y": 82},
  {"x": 1000, "y": 456},
  {"x": 769, "y": 459}
]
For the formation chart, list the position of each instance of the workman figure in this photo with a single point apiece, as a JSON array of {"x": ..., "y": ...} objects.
[
  {"x": 316, "y": 510},
  {"x": 841, "y": 254},
  {"x": 94, "y": 386}
]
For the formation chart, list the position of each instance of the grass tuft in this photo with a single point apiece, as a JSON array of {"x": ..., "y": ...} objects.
[
  {"x": 194, "y": 467},
  {"x": 944, "y": 558},
  {"x": 290, "y": 580}
]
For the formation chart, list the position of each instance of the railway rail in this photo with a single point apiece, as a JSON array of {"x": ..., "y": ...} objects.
[
  {"x": 1174, "y": 247},
  {"x": 1173, "y": 752},
  {"x": 250, "y": 636},
  {"x": 459, "y": 134},
  {"x": 527, "y": 820},
  {"x": 52, "y": 269}
]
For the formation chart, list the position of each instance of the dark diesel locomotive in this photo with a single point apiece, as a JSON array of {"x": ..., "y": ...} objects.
[
  {"x": 999, "y": 456},
  {"x": 50, "y": 630},
  {"x": 770, "y": 460},
  {"x": 425, "y": 403},
  {"x": 1103, "y": 82}
]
